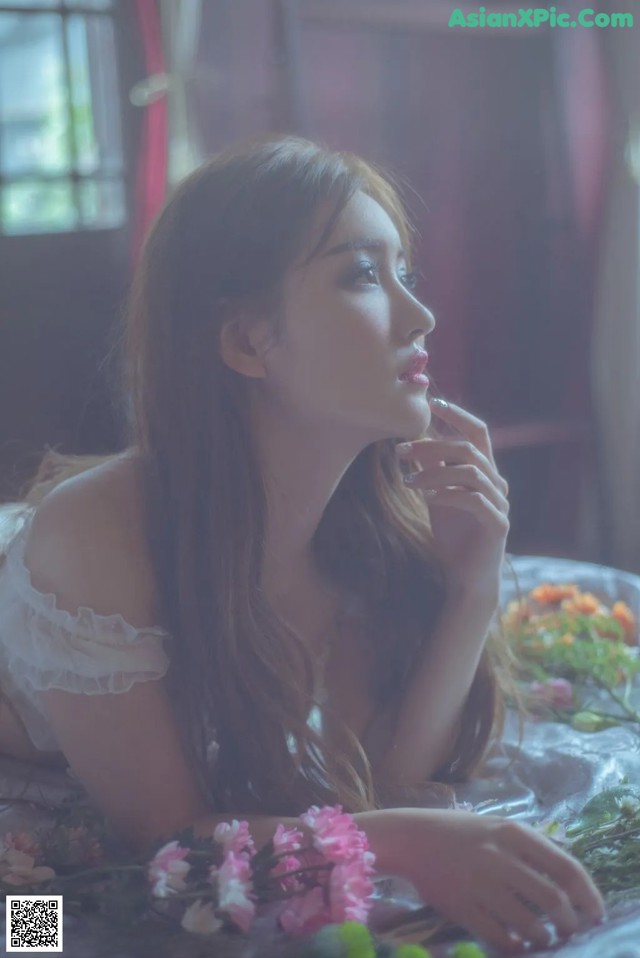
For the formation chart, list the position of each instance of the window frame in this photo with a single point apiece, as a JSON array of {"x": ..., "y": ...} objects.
[{"x": 66, "y": 9}]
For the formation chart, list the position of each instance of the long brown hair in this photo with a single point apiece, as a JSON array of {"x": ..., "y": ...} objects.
[{"x": 239, "y": 676}]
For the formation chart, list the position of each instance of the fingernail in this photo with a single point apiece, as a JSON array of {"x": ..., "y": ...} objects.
[
  {"x": 403, "y": 448},
  {"x": 442, "y": 403}
]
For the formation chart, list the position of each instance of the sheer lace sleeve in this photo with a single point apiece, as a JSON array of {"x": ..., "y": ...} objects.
[{"x": 44, "y": 647}]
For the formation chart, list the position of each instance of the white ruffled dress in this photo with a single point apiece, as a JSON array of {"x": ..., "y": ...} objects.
[{"x": 44, "y": 647}]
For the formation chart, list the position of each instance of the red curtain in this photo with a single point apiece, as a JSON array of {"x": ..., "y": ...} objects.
[{"x": 151, "y": 174}]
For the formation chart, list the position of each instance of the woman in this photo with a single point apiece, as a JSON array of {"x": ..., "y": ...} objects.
[{"x": 285, "y": 621}]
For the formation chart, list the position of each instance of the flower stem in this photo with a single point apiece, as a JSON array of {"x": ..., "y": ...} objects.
[
  {"x": 92, "y": 872},
  {"x": 633, "y": 715}
]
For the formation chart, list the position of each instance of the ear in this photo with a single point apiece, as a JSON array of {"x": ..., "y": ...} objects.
[{"x": 244, "y": 340}]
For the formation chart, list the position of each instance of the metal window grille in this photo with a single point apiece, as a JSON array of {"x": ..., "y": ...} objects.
[{"x": 61, "y": 155}]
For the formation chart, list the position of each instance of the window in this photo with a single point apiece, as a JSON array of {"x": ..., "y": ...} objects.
[{"x": 61, "y": 157}]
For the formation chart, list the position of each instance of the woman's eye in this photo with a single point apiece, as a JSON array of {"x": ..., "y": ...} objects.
[
  {"x": 367, "y": 268},
  {"x": 409, "y": 280}
]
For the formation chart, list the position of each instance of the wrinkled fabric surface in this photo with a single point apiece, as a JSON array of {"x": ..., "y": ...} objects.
[
  {"x": 553, "y": 774},
  {"x": 556, "y": 770}
]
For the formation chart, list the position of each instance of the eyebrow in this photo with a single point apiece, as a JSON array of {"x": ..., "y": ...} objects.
[{"x": 362, "y": 242}]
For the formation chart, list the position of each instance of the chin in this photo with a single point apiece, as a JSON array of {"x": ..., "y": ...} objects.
[
  {"x": 418, "y": 419},
  {"x": 408, "y": 428}
]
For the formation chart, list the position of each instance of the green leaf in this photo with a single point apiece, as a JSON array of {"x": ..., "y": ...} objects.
[
  {"x": 601, "y": 809},
  {"x": 592, "y": 722},
  {"x": 468, "y": 949},
  {"x": 412, "y": 951},
  {"x": 357, "y": 940}
]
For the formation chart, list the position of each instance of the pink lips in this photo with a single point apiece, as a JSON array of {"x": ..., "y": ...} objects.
[{"x": 416, "y": 366}]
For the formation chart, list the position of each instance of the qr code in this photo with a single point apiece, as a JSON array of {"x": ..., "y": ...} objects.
[{"x": 34, "y": 923}]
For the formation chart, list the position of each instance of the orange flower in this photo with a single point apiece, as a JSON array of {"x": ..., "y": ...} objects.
[
  {"x": 623, "y": 614},
  {"x": 585, "y": 603},
  {"x": 18, "y": 868},
  {"x": 516, "y": 613},
  {"x": 567, "y": 639},
  {"x": 548, "y": 594}
]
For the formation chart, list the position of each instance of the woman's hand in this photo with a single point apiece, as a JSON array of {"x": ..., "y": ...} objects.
[
  {"x": 468, "y": 506},
  {"x": 479, "y": 871}
]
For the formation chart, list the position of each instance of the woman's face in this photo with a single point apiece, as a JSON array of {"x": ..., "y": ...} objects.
[{"x": 350, "y": 325}]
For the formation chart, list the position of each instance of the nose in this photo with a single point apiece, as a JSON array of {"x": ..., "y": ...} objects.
[
  {"x": 429, "y": 318},
  {"x": 410, "y": 311},
  {"x": 423, "y": 320}
]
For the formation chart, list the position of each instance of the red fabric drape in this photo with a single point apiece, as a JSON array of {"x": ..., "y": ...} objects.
[{"x": 151, "y": 176}]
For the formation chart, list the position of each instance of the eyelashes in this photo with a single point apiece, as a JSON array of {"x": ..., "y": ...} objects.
[{"x": 409, "y": 280}]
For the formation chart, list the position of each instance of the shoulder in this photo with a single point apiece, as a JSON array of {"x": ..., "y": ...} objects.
[
  {"x": 86, "y": 544},
  {"x": 114, "y": 484}
]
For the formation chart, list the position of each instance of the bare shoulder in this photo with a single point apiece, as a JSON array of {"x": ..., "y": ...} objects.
[
  {"x": 111, "y": 485},
  {"x": 86, "y": 538},
  {"x": 84, "y": 546}
]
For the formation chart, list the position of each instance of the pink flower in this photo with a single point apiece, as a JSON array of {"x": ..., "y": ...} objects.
[
  {"x": 23, "y": 842},
  {"x": 350, "y": 889},
  {"x": 199, "y": 917},
  {"x": 235, "y": 837},
  {"x": 287, "y": 864},
  {"x": 167, "y": 870},
  {"x": 286, "y": 839},
  {"x": 305, "y": 914},
  {"x": 335, "y": 835},
  {"x": 558, "y": 693},
  {"x": 235, "y": 889},
  {"x": 17, "y": 868}
]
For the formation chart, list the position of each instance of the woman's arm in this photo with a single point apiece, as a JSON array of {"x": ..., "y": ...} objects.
[
  {"x": 126, "y": 750},
  {"x": 427, "y": 724},
  {"x": 476, "y": 870},
  {"x": 468, "y": 512}
]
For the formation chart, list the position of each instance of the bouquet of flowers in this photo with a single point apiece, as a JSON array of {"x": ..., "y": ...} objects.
[
  {"x": 578, "y": 656},
  {"x": 210, "y": 885},
  {"x": 605, "y": 837}
]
